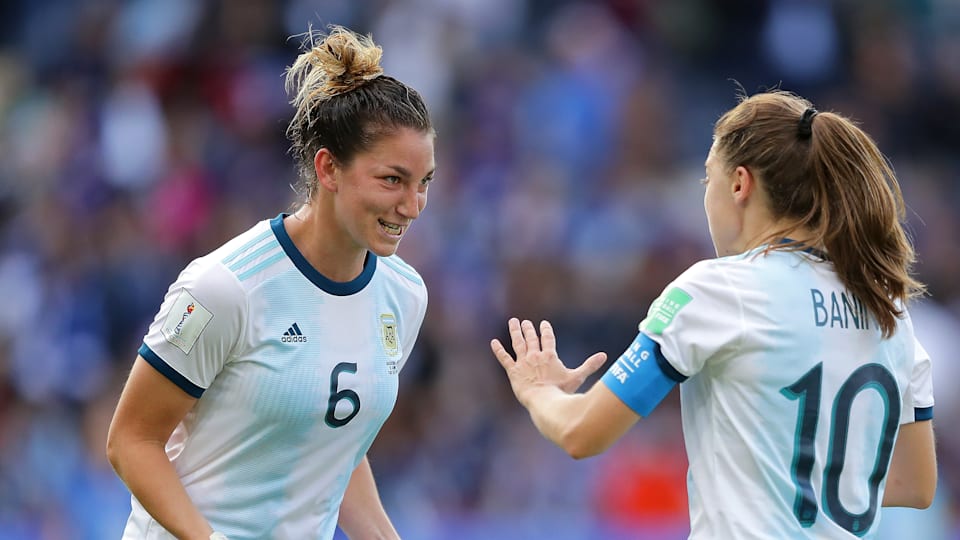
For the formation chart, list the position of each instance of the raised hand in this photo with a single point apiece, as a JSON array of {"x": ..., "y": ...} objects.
[{"x": 536, "y": 363}]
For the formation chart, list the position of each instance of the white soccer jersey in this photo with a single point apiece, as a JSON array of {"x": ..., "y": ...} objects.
[
  {"x": 295, "y": 374},
  {"x": 791, "y": 400}
]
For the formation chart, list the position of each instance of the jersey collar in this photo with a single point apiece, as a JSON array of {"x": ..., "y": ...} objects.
[
  {"x": 820, "y": 254},
  {"x": 336, "y": 288}
]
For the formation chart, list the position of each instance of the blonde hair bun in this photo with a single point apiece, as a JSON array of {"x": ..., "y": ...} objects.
[{"x": 342, "y": 61}]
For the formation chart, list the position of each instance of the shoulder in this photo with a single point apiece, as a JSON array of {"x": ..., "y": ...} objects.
[
  {"x": 403, "y": 283},
  {"x": 715, "y": 273},
  {"x": 397, "y": 270},
  {"x": 218, "y": 277},
  {"x": 905, "y": 331},
  {"x": 250, "y": 253},
  {"x": 741, "y": 271},
  {"x": 710, "y": 286},
  {"x": 211, "y": 284}
]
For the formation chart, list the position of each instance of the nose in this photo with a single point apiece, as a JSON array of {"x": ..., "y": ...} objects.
[{"x": 412, "y": 202}]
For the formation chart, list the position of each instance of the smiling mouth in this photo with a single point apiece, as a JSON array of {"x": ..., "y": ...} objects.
[{"x": 391, "y": 228}]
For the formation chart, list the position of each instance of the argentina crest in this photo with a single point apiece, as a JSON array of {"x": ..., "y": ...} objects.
[{"x": 389, "y": 338}]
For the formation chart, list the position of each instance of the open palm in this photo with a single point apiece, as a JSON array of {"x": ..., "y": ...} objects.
[{"x": 537, "y": 363}]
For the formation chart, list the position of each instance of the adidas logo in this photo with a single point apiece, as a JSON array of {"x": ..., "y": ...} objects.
[{"x": 293, "y": 335}]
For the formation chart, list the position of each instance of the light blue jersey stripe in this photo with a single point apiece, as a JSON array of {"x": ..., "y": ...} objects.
[
  {"x": 263, "y": 264},
  {"x": 259, "y": 238},
  {"x": 403, "y": 269},
  {"x": 247, "y": 259},
  {"x": 402, "y": 263}
]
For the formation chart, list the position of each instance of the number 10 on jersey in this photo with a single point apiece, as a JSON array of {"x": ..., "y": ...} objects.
[{"x": 807, "y": 391}]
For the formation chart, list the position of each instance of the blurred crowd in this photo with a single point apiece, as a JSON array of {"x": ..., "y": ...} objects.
[{"x": 136, "y": 135}]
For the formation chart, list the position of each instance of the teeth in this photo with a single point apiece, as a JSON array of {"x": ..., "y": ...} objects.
[{"x": 390, "y": 227}]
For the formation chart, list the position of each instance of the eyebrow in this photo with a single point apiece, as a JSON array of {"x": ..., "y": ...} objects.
[{"x": 404, "y": 172}]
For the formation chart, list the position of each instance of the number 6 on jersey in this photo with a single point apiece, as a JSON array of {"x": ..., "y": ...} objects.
[{"x": 339, "y": 395}]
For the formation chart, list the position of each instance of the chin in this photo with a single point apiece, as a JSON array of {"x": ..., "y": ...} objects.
[{"x": 384, "y": 251}]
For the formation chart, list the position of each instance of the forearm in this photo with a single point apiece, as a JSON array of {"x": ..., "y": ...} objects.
[
  {"x": 152, "y": 479},
  {"x": 557, "y": 415},
  {"x": 362, "y": 516}
]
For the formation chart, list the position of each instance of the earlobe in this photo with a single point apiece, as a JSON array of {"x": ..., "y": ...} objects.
[{"x": 325, "y": 167}]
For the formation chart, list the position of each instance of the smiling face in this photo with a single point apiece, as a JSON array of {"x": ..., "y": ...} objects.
[{"x": 379, "y": 193}]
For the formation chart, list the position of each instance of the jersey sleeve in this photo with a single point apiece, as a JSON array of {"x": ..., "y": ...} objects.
[
  {"x": 693, "y": 320},
  {"x": 918, "y": 403},
  {"x": 199, "y": 323},
  {"x": 696, "y": 318}
]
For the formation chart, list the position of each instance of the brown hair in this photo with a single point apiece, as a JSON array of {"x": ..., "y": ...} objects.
[
  {"x": 343, "y": 101},
  {"x": 823, "y": 173}
]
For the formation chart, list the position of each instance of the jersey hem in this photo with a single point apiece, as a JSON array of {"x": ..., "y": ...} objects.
[
  {"x": 176, "y": 378},
  {"x": 668, "y": 370}
]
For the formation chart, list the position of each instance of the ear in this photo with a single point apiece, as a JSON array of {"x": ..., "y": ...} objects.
[
  {"x": 325, "y": 166},
  {"x": 743, "y": 185}
]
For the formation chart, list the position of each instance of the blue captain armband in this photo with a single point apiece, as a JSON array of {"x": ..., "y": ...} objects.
[{"x": 642, "y": 377}]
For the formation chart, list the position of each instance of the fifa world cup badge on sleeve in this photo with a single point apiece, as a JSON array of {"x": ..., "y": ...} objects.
[
  {"x": 664, "y": 309},
  {"x": 185, "y": 322}
]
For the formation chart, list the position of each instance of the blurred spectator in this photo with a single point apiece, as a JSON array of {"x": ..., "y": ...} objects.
[{"x": 136, "y": 133}]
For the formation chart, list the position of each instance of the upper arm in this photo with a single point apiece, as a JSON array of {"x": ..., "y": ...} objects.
[
  {"x": 681, "y": 332},
  {"x": 198, "y": 326},
  {"x": 150, "y": 407},
  {"x": 634, "y": 384},
  {"x": 641, "y": 377},
  {"x": 699, "y": 317},
  {"x": 912, "y": 479},
  {"x": 632, "y": 387}
]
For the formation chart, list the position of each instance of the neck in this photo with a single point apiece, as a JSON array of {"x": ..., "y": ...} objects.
[
  {"x": 322, "y": 244},
  {"x": 774, "y": 232}
]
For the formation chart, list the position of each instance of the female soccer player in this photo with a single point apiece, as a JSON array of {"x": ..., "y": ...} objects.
[
  {"x": 273, "y": 360},
  {"x": 806, "y": 400}
]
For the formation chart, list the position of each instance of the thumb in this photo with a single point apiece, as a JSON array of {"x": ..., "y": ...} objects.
[{"x": 591, "y": 365}]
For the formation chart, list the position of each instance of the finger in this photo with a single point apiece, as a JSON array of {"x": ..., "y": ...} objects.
[
  {"x": 501, "y": 353},
  {"x": 548, "y": 341},
  {"x": 530, "y": 335},
  {"x": 516, "y": 337},
  {"x": 591, "y": 365}
]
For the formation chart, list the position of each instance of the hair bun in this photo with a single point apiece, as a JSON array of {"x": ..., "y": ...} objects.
[{"x": 347, "y": 60}]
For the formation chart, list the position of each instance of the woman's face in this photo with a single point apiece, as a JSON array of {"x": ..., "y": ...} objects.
[
  {"x": 723, "y": 216},
  {"x": 383, "y": 189}
]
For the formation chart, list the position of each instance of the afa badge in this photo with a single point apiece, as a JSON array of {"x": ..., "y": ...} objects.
[{"x": 388, "y": 334}]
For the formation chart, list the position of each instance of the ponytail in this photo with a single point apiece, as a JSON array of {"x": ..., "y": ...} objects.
[{"x": 824, "y": 174}]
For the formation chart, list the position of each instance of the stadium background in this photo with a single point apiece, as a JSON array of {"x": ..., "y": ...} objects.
[{"x": 137, "y": 134}]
